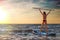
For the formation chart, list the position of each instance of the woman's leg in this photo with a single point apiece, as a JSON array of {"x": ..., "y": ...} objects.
[
  {"x": 46, "y": 28},
  {"x": 41, "y": 27}
]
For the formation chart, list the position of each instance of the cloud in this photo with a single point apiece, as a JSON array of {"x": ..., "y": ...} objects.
[
  {"x": 21, "y": 11},
  {"x": 40, "y": 3}
]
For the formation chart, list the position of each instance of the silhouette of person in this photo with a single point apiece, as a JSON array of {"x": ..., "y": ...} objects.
[{"x": 44, "y": 14}]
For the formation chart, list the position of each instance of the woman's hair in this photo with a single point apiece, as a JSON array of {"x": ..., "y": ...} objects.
[{"x": 44, "y": 13}]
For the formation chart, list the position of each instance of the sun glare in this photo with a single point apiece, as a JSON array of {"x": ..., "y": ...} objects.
[{"x": 3, "y": 15}]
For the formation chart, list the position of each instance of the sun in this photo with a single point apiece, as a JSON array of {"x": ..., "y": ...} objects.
[{"x": 3, "y": 15}]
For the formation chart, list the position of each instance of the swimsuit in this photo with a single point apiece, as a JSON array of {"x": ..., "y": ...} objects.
[{"x": 44, "y": 20}]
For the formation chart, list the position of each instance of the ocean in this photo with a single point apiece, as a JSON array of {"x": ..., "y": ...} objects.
[{"x": 25, "y": 31}]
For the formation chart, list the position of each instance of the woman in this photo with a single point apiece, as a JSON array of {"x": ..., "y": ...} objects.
[{"x": 44, "y": 14}]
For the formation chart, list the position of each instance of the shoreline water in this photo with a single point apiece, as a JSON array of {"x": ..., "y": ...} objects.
[{"x": 13, "y": 35}]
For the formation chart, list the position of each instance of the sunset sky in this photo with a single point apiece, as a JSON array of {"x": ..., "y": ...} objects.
[{"x": 21, "y": 11}]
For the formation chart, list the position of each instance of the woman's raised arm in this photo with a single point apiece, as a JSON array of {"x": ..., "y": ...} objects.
[
  {"x": 40, "y": 11},
  {"x": 49, "y": 12}
]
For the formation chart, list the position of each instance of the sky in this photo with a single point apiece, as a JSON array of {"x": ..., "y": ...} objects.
[{"x": 22, "y": 12}]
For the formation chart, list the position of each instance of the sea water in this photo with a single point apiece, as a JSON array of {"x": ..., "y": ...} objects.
[{"x": 17, "y": 31}]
